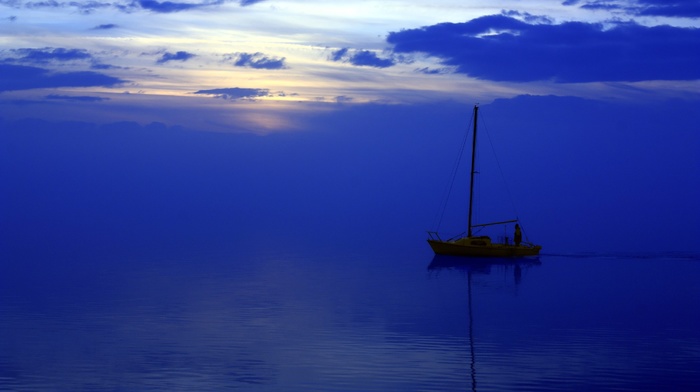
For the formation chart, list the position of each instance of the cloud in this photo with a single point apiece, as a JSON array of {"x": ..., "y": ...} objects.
[
  {"x": 432, "y": 71},
  {"x": 362, "y": 58},
  {"x": 88, "y": 7},
  {"x": 21, "y": 77},
  {"x": 528, "y": 17},
  {"x": 76, "y": 98},
  {"x": 43, "y": 56},
  {"x": 46, "y": 55},
  {"x": 169, "y": 6},
  {"x": 108, "y": 26},
  {"x": 256, "y": 60},
  {"x": 343, "y": 99},
  {"x": 179, "y": 56},
  {"x": 84, "y": 7},
  {"x": 673, "y": 8},
  {"x": 235, "y": 92},
  {"x": 502, "y": 48},
  {"x": 96, "y": 65},
  {"x": 339, "y": 54},
  {"x": 668, "y": 8}
]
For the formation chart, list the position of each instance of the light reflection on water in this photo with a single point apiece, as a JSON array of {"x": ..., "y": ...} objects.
[{"x": 349, "y": 322}]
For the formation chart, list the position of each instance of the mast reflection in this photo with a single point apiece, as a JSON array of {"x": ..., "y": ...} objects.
[{"x": 479, "y": 266}]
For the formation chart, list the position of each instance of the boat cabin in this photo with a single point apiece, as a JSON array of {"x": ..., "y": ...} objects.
[{"x": 474, "y": 241}]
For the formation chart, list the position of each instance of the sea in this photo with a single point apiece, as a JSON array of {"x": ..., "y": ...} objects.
[
  {"x": 346, "y": 320},
  {"x": 150, "y": 259}
]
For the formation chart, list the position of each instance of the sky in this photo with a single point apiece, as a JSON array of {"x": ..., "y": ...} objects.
[{"x": 597, "y": 100}]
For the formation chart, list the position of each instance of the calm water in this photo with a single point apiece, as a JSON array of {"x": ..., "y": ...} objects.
[
  {"x": 347, "y": 320},
  {"x": 145, "y": 259}
]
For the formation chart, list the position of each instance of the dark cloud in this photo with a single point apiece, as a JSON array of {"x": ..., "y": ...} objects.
[
  {"x": 76, "y": 98},
  {"x": 502, "y": 48},
  {"x": 362, "y": 58},
  {"x": 43, "y": 56},
  {"x": 108, "y": 26},
  {"x": 21, "y": 77},
  {"x": 179, "y": 56},
  {"x": 369, "y": 59},
  {"x": 673, "y": 8},
  {"x": 235, "y": 92},
  {"x": 339, "y": 54},
  {"x": 668, "y": 8},
  {"x": 169, "y": 6},
  {"x": 104, "y": 66},
  {"x": 88, "y": 7},
  {"x": 46, "y": 55},
  {"x": 256, "y": 60}
]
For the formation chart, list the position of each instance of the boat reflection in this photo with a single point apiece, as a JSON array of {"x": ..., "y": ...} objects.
[
  {"x": 483, "y": 266},
  {"x": 479, "y": 266}
]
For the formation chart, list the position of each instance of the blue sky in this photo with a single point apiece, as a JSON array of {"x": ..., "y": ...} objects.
[
  {"x": 597, "y": 72},
  {"x": 215, "y": 57}
]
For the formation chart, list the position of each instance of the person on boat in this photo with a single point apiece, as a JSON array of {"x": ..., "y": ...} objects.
[{"x": 518, "y": 236}]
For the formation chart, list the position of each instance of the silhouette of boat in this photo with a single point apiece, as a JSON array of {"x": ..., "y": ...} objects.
[{"x": 470, "y": 245}]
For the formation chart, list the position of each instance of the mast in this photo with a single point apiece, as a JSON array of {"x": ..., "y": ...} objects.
[{"x": 471, "y": 179}]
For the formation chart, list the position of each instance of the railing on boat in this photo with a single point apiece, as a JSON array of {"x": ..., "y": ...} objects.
[{"x": 434, "y": 236}]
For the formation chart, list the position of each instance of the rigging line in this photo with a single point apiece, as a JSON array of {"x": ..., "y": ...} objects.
[
  {"x": 500, "y": 170},
  {"x": 510, "y": 195},
  {"x": 522, "y": 230},
  {"x": 448, "y": 188}
]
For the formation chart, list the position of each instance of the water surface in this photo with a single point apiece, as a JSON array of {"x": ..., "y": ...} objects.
[{"x": 323, "y": 320}]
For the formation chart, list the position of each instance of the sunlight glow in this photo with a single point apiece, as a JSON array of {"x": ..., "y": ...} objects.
[{"x": 176, "y": 54}]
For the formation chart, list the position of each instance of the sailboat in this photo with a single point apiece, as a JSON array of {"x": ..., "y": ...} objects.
[{"x": 470, "y": 245}]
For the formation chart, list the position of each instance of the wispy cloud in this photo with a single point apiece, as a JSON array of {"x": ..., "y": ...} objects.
[
  {"x": 178, "y": 56},
  {"x": 433, "y": 71},
  {"x": 502, "y": 48},
  {"x": 667, "y": 8},
  {"x": 84, "y": 7},
  {"x": 76, "y": 98},
  {"x": 235, "y": 92},
  {"x": 256, "y": 60},
  {"x": 129, "y": 6}
]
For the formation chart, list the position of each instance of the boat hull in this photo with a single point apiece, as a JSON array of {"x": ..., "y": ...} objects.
[{"x": 455, "y": 248}]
